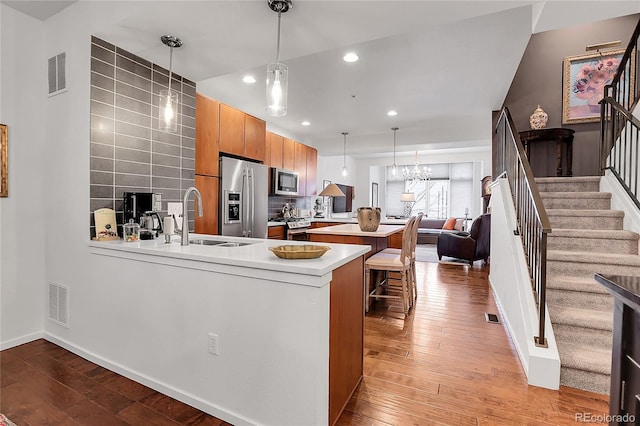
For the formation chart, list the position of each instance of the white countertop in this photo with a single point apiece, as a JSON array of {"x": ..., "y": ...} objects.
[
  {"x": 354, "y": 230},
  {"x": 253, "y": 256}
]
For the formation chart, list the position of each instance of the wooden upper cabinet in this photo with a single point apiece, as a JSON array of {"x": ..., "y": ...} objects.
[
  {"x": 300, "y": 166},
  {"x": 255, "y": 133},
  {"x": 276, "y": 143},
  {"x": 231, "y": 130},
  {"x": 207, "y": 127},
  {"x": 312, "y": 171},
  {"x": 288, "y": 154}
]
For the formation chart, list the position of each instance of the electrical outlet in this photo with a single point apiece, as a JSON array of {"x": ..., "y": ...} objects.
[
  {"x": 214, "y": 344},
  {"x": 176, "y": 210}
]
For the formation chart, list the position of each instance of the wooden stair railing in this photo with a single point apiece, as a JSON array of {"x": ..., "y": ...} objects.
[
  {"x": 619, "y": 128},
  {"x": 533, "y": 223}
]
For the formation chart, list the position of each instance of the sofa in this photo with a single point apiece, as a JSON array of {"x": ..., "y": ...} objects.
[{"x": 430, "y": 229}]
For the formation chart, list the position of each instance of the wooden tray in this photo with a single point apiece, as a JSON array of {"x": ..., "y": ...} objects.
[{"x": 306, "y": 251}]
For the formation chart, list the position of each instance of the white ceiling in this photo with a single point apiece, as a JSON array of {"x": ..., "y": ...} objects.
[{"x": 443, "y": 65}]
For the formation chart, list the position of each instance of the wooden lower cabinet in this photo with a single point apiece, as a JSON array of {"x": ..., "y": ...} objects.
[
  {"x": 276, "y": 232},
  {"x": 208, "y": 222},
  {"x": 346, "y": 335},
  {"x": 395, "y": 240}
]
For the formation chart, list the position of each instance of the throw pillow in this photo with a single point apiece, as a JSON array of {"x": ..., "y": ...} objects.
[
  {"x": 449, "y": 224},
  {"x": 459, "y": 225}
]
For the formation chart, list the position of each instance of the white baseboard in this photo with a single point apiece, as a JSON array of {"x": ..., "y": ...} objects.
[
  {"x": 163, "y": 388},
  {"x": 8, "y": 344}
]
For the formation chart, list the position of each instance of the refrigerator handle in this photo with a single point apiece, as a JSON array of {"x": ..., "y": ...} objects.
[
  {"x": 245, "y": 200},
  {"x": 252, "y": 195}
]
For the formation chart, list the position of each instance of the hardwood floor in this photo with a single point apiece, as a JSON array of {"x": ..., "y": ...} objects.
[{"x": 443, "y": 365}]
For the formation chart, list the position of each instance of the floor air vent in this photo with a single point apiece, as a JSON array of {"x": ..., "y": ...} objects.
[
  {"x": 492, "y": 318},
  {"x": 59, "y": 304}
]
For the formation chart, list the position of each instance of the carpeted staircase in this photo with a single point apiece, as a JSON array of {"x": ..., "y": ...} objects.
[{"x": 587, "y": 237}]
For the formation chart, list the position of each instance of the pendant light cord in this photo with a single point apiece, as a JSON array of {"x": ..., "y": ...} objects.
[
  {"x": 278, "y": 42},
  {"x": 170, "y": 65}
]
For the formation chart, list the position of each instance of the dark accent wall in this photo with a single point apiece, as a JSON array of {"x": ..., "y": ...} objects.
[
  {"x": 538, "y": 80},
  {"x": 128, "y": 153}
]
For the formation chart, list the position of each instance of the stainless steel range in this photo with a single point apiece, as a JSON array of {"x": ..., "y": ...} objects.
[{"x": 297, "y": 228}]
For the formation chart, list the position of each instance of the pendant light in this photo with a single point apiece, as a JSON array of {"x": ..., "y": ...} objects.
[
  {"x": 394, "y": 168},
  {"x": 168, "y": 105},
  {"x": 277, "y": 73},
  {"x": 344, "y": 155}
]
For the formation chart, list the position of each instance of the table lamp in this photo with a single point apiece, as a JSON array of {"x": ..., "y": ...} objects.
[
  {"x": 408, "y": 198},
  {"x": 331, "y": 191}
]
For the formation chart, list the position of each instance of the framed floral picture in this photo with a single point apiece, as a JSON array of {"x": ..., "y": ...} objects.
[{"x": 583, "y": 82}]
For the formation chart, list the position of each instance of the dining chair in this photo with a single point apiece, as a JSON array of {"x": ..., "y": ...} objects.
[{"x": 382, "y": 262}]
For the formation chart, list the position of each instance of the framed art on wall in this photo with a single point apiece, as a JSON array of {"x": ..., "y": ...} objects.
[
  {"x": 4, "y": 189},
  {"x": 583, "y": 80}
]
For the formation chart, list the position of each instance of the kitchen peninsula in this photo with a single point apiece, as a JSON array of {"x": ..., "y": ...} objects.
[{"x": 235, "y": 331}]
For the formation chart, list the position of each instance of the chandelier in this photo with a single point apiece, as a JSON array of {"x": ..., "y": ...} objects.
[{"x": 416, "y": 173}]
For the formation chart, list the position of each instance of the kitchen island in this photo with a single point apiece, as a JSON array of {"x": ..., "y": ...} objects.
[
  {"x": 233, "y": 331},
  {"x": 350, "y": 233}
]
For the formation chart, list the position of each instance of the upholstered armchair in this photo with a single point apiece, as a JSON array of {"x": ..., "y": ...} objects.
[{"x": 469, "y": 246}]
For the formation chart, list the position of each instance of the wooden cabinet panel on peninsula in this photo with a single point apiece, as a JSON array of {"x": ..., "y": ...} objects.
[
  {"x": 241, "y": 134},
  {"x": 207, "y": 128},
  {"x": 208, "y": 222}
]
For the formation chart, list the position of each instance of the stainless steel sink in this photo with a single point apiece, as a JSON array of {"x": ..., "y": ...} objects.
[
  {"x": 206, "y": 242},
  {"x": 219, "y": 243}
]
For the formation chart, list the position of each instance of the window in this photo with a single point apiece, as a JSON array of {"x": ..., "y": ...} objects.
[{"x": 447, "y": 193}]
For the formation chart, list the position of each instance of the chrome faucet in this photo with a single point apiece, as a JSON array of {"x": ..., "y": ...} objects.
[{"x": 185, "y": 213}]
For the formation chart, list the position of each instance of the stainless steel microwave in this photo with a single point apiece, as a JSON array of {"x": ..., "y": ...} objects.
[{"x": 284, "y": 182}]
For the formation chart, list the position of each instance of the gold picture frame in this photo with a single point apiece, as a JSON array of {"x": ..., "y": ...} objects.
[
  {"x": 583, "y": 81},
  {"x": 4, "y": 188}
]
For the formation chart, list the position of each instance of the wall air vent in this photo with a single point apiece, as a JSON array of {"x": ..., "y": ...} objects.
[
  {"x": 56, "y": 74},
  {"x": 59, "y": 304}
]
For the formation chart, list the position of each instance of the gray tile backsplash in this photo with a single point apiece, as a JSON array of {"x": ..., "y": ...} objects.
[{"x": 128, "y": 153}]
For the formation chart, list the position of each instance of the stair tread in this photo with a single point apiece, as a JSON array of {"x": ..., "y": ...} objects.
[
  {"x": 609, "y": 234},
  {"x": 594, "y": 258},
  {"x": 585, "y": 357},
  {"x": 585, "y": 212},
  {"x": 572, "y": 283},
  {"x": 575, "y": 194},
  {"x": 577, "y": 179},
  {"x": 586, "y": 318}
]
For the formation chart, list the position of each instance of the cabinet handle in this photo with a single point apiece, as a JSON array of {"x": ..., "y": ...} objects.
[{"x": 623, "y": 392}]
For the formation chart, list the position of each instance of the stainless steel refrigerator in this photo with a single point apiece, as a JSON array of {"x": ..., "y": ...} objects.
[{"x": 243, "y": 198}]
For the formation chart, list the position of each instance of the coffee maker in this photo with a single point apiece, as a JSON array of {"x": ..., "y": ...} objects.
[{"x": 143, "y": 208}]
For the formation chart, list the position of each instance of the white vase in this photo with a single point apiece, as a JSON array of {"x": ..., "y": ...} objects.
[{"x": 538, "y": 120}]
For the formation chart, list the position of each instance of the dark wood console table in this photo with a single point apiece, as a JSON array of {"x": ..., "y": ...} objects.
[
  {"x": 624, "y": 399},
  {"x": 559, "y": 136}
]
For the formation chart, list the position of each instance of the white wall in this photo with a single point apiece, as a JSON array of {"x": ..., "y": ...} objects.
[
  {"x": 22, "y": 223},
  {"x": 509, "y": 278}
]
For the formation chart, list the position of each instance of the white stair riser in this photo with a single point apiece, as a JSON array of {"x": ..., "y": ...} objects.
[
  {"x": 576, "y": 203},
  {"x": 594, "y": 245},
  {"x": 577, "y": 299},
  {"x": 585, "y": 222}
]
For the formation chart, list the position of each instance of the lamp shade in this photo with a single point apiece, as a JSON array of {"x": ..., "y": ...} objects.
[
  {"x": 331, "y": 190},
  {"x": 408, "y": 197}
]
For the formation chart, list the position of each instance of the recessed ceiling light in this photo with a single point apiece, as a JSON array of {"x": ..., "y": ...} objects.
[
  {"x": 392, "y": 113},
  {"x": 249, "y": 79},
  {"x": 305, "y": 123},
  {"x": 350, "y": 57}
]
